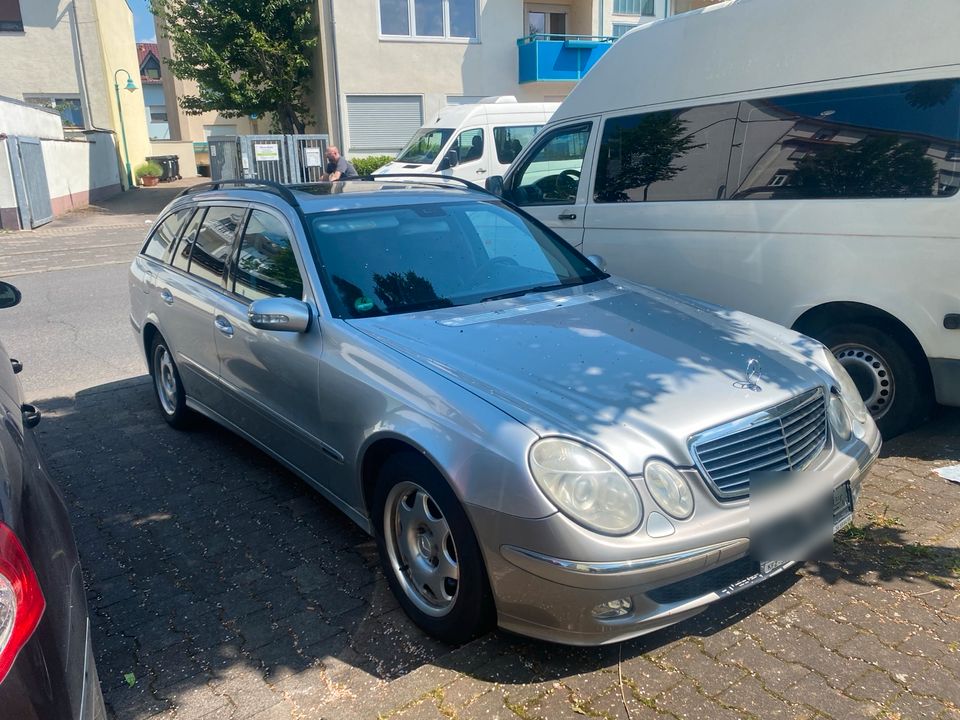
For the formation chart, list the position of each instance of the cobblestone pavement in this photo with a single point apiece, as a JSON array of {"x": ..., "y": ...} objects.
[{"x": 220, "y": 586}]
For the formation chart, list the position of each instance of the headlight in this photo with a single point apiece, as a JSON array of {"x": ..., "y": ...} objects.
[
  {"x": 848, "y": 389},
  {"x": 839, "y": 419},
  {"x": 586, "y": 486},
  {"x": 669, "y": 489}
]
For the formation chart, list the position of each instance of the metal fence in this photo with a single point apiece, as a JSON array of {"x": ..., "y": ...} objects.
[{"x": 281, "y": 158}]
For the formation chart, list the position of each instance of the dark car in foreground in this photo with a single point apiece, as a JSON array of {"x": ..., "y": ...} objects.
[{"x": 47, "y": 670}]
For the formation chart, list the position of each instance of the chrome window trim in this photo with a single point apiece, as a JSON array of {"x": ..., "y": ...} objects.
[{"x": 776, "y": 412}]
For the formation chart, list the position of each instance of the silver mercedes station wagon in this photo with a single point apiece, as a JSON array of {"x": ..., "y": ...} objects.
[{"x": 532, "y": 442}]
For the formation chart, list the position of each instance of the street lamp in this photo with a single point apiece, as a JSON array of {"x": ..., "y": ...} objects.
[{"x": 130, "y": 87}]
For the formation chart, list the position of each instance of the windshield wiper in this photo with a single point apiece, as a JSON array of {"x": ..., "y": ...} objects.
[{"x": 527, "y": 291}]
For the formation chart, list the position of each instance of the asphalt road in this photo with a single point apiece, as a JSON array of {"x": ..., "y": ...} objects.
[{"x": 72, "y": 330}]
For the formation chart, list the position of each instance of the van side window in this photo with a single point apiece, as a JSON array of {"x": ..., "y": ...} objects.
[
  {"x": 886, "y": 141},
  {"x": 266, "y": 266},
  {"x": 469, "y": 145},
  {"x": 511, "y": 140},
  {"x": 551, "y": 173},
  {"x": 666, "y": 155},
  {"x": 214, "y": 242},
  {"x": 166, "y": 233}
]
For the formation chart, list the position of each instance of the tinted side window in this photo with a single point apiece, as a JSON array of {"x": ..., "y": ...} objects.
[
  {"x": 163, "y": 237},
  {"x": 267, "y": 266},
  {"x": 551, "y": 173},
  {"x": 666, "y": 155},
  {"x": 469, "y": 145},
  {"x": 213, "y": 243},
  {"x": 898, "y": 140},
  {"x": 511, "y": 140},
  {"x": 181, "y": 256}
]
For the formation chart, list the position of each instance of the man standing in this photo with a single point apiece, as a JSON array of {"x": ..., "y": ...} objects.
[{"x": 338, "y": 168}]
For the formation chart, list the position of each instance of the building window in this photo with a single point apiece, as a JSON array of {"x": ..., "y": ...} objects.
[
  {"x": 71, "y": 114},
  {"x": 158, "y": 114},
  {"x": 621, "y": 29},
  {"x": 633, "y": 7},
  {"x": 10, "y": 18},
  {"x": 428, "y": 19}
]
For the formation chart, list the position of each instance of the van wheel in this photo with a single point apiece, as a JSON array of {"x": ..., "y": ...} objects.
[
  {"x": 893, "y": 380},
  {"x": 168, "y": 386},
  {"x": 429, "y": 552}
]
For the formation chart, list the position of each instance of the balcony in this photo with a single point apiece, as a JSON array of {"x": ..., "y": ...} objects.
[{"x": 548, "y": 58}]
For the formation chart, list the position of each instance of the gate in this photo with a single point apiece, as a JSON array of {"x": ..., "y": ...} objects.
[
  {"x": 283, "y": 158},
  {"x": 30, "y": 181},
  {"x": 224, "y": 158},
  {"x": 266, "y": 157},
  {"x": 309, "y": 156}
]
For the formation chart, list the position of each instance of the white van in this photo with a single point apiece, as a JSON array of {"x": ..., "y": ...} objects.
[
  {"x": 472, "y": 141},
  {"x": 798, "y": 159}
]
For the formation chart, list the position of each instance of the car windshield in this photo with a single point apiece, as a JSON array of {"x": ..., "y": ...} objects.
[
  {"x": 401, "y": 259},
  {"x": 425, "y": 146}
]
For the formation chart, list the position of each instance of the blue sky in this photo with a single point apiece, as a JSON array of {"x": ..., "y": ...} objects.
[{"x": 142, "y": 21}]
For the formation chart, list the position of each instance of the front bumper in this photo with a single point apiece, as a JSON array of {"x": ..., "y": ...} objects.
[{"x": 546, "y": 595}]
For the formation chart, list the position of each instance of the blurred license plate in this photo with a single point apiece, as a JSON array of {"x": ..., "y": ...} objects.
[
  {"x": 842, "y": 507},
  {"x": 769, "y": 566}
]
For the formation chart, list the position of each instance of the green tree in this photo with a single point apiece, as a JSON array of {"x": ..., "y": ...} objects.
[
  {"x": 247, "y": 56},
  {"x": 641, "y": 155},
  {"x": 877, "y": 166}
]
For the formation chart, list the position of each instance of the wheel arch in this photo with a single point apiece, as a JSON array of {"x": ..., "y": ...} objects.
[{"x": 822, "y": 316}]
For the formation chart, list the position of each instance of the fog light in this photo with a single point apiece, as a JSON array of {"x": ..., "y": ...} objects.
[{"x": 613, "y": 609}]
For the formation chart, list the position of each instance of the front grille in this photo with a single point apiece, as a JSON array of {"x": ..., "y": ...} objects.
[{"x": 787, "y": 436}]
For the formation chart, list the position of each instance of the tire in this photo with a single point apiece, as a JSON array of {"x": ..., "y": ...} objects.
[
  {"x": 167, "y": 386},
  {"x": 425, "y": 540},
  {"x": 893, "y": 378}
]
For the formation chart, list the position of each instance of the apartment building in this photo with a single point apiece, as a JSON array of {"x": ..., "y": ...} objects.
[
  {"x": 385, "y": 66},
  {"x": 67, "y": 56}
]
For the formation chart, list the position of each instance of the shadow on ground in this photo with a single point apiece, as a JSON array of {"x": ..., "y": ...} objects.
[{"x": 218, "y": 581}]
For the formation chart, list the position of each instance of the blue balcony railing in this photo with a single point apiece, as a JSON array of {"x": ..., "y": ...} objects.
[{"x": 559, "y": 57}]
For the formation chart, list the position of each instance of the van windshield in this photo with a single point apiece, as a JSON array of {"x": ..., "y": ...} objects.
[{"x": 425, "y": 146}]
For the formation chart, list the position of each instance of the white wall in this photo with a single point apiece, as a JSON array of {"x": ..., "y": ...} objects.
[{"x": 18, "y": 118}]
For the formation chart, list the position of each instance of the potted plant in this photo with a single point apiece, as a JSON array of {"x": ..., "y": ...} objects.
[{"x": 148, "y": 174}]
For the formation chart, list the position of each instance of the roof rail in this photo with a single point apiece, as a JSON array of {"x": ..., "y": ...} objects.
[
  {"x": 421, "y": 176},
  {"x": 268, "y": 185}
]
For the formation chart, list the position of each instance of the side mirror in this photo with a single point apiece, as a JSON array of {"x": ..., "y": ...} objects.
[
  {"x": 598, "y": 261},
  {"x": 451, "y": 159},
  {"x": 494, "y": 184},
  {"x": 9, "y": 295},
  {"x": 284, "y": 314}
]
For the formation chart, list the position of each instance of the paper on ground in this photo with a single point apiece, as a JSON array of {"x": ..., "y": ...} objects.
[{"x": 951, "y": 473}]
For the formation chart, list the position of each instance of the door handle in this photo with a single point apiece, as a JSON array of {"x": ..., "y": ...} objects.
[
  {"x": 166, "y": 296},
  {"x": 481, "y": 171},
  {"x": 223, "y": 325},
  {"x": 567, "y": 216}
]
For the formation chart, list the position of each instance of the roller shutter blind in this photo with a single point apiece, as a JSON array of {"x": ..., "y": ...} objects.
[{"x": 383, "y": 122}]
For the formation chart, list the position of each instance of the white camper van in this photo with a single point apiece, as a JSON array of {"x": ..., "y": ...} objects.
[
  {"x": 799, "y": 160},
  {"x": 472, "y": 141}
]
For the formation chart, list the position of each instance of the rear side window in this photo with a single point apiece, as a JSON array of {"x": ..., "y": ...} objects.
[
  {"x": 887, "y": 141},
  {"x": 164, "y": 236},
  {"x": 214, "y": 242},
  {"x": 181, "y": 256},
  {"x": 666, "y": 155},
  {"x": 511, "y": 140},
  {"x": 267, "y": 266}
]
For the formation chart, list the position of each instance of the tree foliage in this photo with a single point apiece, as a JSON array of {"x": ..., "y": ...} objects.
[
  {"x": 247, "y": 56},
  {"x": 644, "y": 154}
]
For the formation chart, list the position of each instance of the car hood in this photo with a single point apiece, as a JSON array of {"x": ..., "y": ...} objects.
[
  {"x": 399, "y": 168},
  {"x": 629, "y": 369}
]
